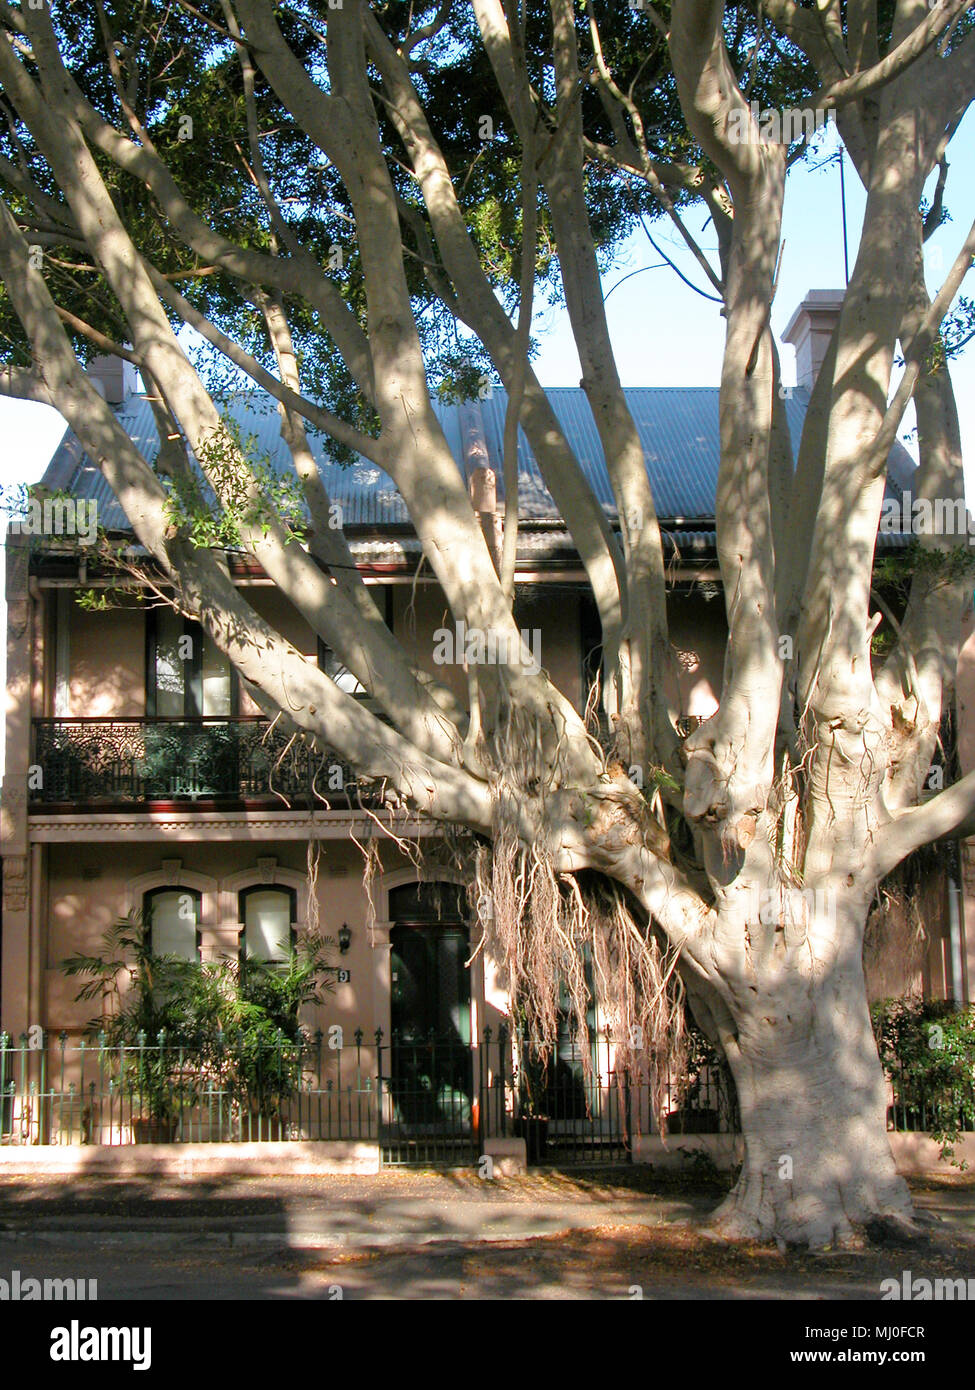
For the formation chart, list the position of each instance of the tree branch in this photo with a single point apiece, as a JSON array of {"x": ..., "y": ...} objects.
[
  {"x": 924, "y": 338},
  {"x": 897, "y": 61},
  {"x": 24, "y": 384},
  {"x": 949, "y": 813}
]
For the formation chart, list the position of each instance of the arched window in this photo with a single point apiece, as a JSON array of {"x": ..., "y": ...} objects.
[
  {"x": 268, "y": 912},
  {"x": 173, "y": 917}
]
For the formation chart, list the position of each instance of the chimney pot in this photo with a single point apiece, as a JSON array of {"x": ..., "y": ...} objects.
[{"x": 484, "y": 490}]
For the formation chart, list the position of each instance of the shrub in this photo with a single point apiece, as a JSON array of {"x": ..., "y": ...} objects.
[
  {"x": 182, "y": 1026},
  {"x": 927, "y": 1047}
]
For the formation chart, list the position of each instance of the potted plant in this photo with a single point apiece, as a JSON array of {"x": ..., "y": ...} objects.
[
  {"x": 182, "y": 1028},
  {"x": 247, "y": 1013}
]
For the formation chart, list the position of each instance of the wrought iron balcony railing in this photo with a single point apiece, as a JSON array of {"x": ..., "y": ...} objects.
[{"x": 133, "y": 760}]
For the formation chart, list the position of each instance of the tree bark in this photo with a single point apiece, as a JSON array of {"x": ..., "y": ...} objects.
[{"x": 813, "y": 1101}]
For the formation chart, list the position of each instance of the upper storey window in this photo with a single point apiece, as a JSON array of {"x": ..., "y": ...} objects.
[
  {"x": 333, "y": 666},
  {"x": 187, "y": 674}
]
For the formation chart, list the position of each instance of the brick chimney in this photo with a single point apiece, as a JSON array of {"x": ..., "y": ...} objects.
[
  {"x": 809, "y": 331},
  {"x": 113, "y": 377}
]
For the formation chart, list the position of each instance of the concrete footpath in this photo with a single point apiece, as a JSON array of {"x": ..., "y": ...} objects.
[
  {"x": 403, "y": 1208},
  {"x": 393, "y": 1208}
]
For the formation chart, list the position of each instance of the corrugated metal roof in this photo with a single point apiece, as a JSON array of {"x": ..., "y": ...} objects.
[{"x": 678, "y": 428}]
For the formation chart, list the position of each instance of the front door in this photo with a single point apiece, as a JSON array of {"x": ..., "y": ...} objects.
[
  {"x": 431, "y": 983},
  {"x": 430, "y": 1061}
]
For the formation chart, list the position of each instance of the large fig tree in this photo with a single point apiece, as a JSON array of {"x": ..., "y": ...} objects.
[{"x": 349, "y": 202}]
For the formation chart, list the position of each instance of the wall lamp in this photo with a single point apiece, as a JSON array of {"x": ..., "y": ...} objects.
[{"x": 345, "y": 938}]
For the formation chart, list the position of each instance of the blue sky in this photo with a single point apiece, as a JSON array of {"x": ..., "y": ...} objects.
[{"x": 665, "y": 334}]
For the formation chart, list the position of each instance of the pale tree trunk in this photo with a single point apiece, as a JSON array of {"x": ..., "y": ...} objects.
[
  {"x": 813, "y": 1101},
  {"x": 786, "y": 997},
  {"x": 777, "y": 983}
]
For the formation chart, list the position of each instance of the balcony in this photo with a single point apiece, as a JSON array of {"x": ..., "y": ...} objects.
[{"x": 125, "y": 761}]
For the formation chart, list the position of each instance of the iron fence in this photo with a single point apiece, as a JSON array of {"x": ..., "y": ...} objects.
[
  {"x": 423, "y": 1100},
  {"x": 442, "y": 1098},
  {"x": 211, "y": 1091},
  {"x": 919, "y": 1105}
]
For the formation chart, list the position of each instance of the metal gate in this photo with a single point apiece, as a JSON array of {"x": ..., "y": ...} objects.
[
  {"x": 572, "y": 1115},
  {"x": 426, "y": 1096},
  {"x": 441, "y": 1098}
]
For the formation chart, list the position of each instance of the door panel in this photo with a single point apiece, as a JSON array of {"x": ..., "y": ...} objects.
[{"x": 431, "y": 1064}]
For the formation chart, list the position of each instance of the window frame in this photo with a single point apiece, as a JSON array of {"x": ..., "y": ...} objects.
[
  {"x": 193, "y": 686},
  {"x": 150, "y": 893},
  {"x": 324, "y": 651},
  {"x": 275, "y": 887}
]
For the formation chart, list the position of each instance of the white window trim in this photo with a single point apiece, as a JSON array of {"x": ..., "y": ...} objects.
[
  {"x": 233, "y": 885},
  {"x": 136, "y": 889}
]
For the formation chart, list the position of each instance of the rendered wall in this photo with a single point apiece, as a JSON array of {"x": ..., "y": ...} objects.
[
  {"x": 88, "y": 891},
  {"x": 107, "y": 663}
]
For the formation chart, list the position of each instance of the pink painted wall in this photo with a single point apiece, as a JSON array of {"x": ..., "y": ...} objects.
[
  {"x": 88, "y": 892},
  {"x": 107, "y": 650},
  {"x": 699, "y": 631},
  {"x": 107, "y": 663}
]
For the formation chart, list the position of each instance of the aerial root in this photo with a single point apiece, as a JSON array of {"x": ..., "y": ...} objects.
[{"x": 561, "y": 940}]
